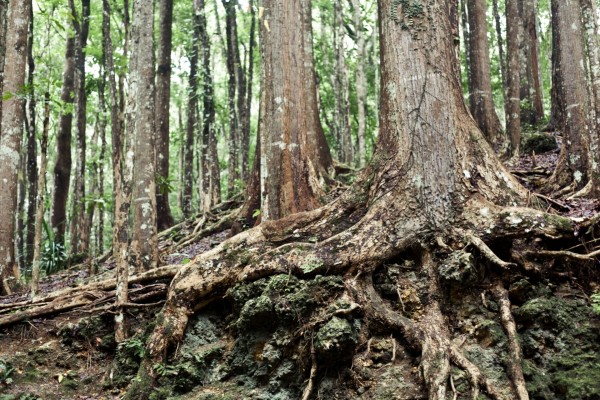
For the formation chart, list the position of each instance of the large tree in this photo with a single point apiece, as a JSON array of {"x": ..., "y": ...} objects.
[
  {"x": 13, "y": 115},
  {"x": 571, "y": 100},
  {"x": 435, "y": 195}
]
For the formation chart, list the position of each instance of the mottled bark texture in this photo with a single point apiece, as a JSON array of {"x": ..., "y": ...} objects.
[
  {"x": 144, "y": 247},
  {"x": 211, "y": 183},
  {"x": 481, "y": 99},
  {"x": 39, "y": 203},
  {"x": 79, "y": 232},
  {"x": 361, "y": 83},
  {"x": 574, "y": 165},
  {"x": 13, "y": 116},
  {"x": 513, "y": 101},
  {"x": 291, "y": 172},
  {"x": 245, "y": 120},
  {"x": 164, "y": 217},
  {"x": 121, "y": 192},
  {"x": 62, "y": 168}
]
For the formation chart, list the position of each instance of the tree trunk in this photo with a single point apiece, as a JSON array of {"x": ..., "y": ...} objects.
[
  {"x": 574, "y": 163},
  {"x": 290, "y": 167},
  {"x": 39, "y": 204},
  {"x": 513, "y": 100},
  {"x": 361, "y": 84},
  {"x": 245, "y": 128},
  {"x": 32, "y": 170},
  {"x": 480, "y": 92},
  {"x": 163, "y": 97},
  {"x": 3, "y": 10},
  {"x": 144, "y": 248},
  {"x": 466, "y": 40},
  {"x": 232, "y": 64},
  {"x": 209, "y": 159},
  {"x": 121, "y": 190},
  {"x": 80, "y": 233},
  {"x": 342, "y": 88},
  {"x": 590, "y": 20},
  {"x": 62, "y": 169},
  {"x": 531, "y": 89},
  {"x": 499, "y": 38},
  {"x": 18, "y": 16},
  {"x": 192, "y": 121}
]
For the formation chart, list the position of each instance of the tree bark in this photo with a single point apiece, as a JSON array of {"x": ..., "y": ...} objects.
[
  {"x": 3, "y": 10},
  {"x": 513, "y": 100},
  {"x": 121, "y": 191},
  {"x": 480, "y": 92},
  {"x": 245, "y": 128},
  {"x": 531, "y": 89},
  {"x": 144, "y": 248},
  {"x": 192, "y": 121},
  {"x": 62, "y": 168},
  {"x": 32, "y": 169},
  {"x": 291, "y": 173},
  {"x": 211, "y": 185},
  {"x": 232, "y": 84},
  {"x": 361, "y": 84},
  {"x": 18, "y": 16},
  {"x": 574, "y": 163},
  {"x": 164, "y": 217},
  {"x": 80, "y": 233},
  {"x": 39, "y": 204},
  {"x": 342, "y": 88}
]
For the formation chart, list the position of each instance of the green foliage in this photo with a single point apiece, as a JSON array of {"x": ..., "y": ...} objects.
[
  {"x": 596, "y": 302},
  {"x": 133, "y": 346},
  {"x": 165, "y": 370},
  {"x": 54, "y": 255},
  {"x": 165, "y": 184},
  {"x": 6, "y": 370}
]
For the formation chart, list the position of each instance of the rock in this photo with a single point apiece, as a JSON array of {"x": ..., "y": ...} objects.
[{"x": 335, "y": 340}]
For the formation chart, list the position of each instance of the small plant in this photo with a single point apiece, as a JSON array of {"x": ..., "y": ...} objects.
[
  {"x": 54, "y": 255},
  {"x": 596, "y": 302},
  {"x": 134, "y": 346},
  {"x": 6, "y": 370},
  {"x": 165, "y": 370}
]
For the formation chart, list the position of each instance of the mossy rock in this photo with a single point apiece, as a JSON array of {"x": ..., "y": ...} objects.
[
  {"x": 552, "y": 312},
  {"x": 459, "y": 268},
  {"x": 539, "y": 143},
  {"x": 335, "y": 340}
]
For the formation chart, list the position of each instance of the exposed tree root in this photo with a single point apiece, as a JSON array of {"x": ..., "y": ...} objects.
[
  {"x": 515, "y": 370},
  {"x": 278, "y": 248}
]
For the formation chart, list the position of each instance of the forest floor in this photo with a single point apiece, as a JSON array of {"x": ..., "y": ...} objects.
[{"x": 233, "y": 349}]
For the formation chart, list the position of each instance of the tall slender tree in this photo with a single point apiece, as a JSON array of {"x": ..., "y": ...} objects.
[
  {"x": 32, "y": 168},
  {"x": 62, "y": 168},
  {"x": 232, "y": 85},
  {"x": 531, "y": 85},
  {"x": 163, "y": 98},
  {"x": 79, "y": 232},
  {"x": 13, "y": 116},
  {"x": 121, "y": 190},
  {"x": 361, "y": 82},
  {"x": 513, "y": 100},
  {"x": 144, "y": 249}
]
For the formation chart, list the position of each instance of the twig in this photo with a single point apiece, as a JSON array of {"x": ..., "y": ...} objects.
[
  {"x": 556, "y": 203},
  {"x": 488, "y": 253},
  {"x": 563, "y": 253}
]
